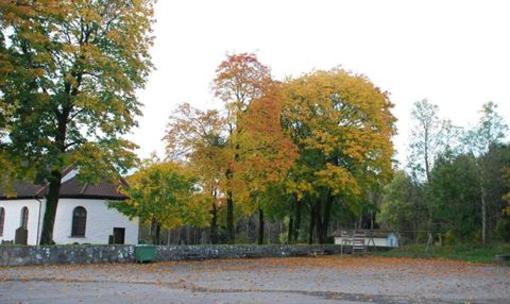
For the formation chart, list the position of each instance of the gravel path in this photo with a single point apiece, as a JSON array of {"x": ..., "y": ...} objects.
[{"x": 331, "y": 279}]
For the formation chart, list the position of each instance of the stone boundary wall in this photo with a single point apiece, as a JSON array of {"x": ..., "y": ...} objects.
[
  {"x": 91, "y": 254},
  {"x": 205, "y": 252},
  {"x": 66, "y": 254}
]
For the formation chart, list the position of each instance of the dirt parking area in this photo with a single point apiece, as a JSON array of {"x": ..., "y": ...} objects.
[{"x": 331, "y": 279}]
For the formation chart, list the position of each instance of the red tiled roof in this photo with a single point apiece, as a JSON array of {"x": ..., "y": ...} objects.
[
  {"x": 105, "y": 190},
  {"x": 72, "y": 188},
  {"x": 21, "y": 189}
]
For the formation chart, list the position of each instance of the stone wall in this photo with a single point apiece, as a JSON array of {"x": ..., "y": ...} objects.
[
  {"x": 204, "y": 252},
  {"x": 89, "y": 254},
  {"x": 65, "y": 254}
]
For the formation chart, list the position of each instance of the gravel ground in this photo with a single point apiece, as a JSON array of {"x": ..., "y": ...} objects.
[{"x": 331, "y": 279}]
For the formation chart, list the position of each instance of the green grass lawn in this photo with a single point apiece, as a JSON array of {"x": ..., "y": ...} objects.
[{"x": 470, "y": 253}]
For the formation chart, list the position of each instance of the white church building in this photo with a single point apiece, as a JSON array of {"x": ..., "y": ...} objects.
[{"x": 82, "y": 214}]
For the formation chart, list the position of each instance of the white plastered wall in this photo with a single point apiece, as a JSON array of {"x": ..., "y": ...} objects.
[
  {"x": 13, "y": 219},
  {"x": 100, "y": 222}
]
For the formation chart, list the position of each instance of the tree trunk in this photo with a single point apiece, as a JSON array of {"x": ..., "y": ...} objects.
[
  {"x": 318, "y": 222},
  {"x": 297, "y": 224},
  {"x": 55, "y": 178},
  {"x": 313, "y": 219},
  {"x": 324, "y": 223},
  {"x": 290, "y": 233},
  {"x": 261, "y": 227},
  {"x": 51, "y": 208},
  {"x": 158, "y": 234},
  {"x": 231, "y": 233},
  {"x": 484, "y": 213},
  {"x": 483, "y": 198},
  {"x": 155, "y": 232},
  {"x": 214, "y": 224},
  {"x": 426, "y": 155}
]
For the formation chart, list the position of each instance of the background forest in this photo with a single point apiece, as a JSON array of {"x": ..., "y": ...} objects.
[
  {"x": 295, "y": 161},
  {"x": 288, "y": 161}
]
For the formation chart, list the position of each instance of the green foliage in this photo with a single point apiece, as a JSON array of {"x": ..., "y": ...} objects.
[
  {"x": 489, "y": 133},
  {"x": 424, "y": 140},
  {"x": 449, "y": 205},
  {"x": 495, "y": 161},
  {"x": 165, "y": 193},
  {"x": 400, "y": 208},
  {"x": 6, "y": 173},
  {"x": 430, "y": 137},
  {"x": 490, "y": 130},
  {"x": 69, "y": 73},
  {"x": 506, "y": 197},
  {"x": 342, "y": 126},
  {"x": 502, "y": 229},
  {"x": 454, "y": 197},
  {"x": 463, "y": 192}
]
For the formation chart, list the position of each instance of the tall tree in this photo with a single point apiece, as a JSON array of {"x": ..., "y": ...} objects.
[
  {"x": 198, "y": 138},
  {"x": 490, "y": 131},
  {"x": 453, "y": 197},
  {"x": 247, "y": 144},
  {"x": 69, "y": 71},
  {"x": 240, "y": 79},
  {"x": 430, "y": 136},
  {"x": 342, "y": 126},
  {"x": 265, "y": 153}
]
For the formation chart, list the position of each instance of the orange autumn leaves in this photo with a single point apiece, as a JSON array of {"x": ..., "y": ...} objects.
[
  {"x": 257, "y": 150},
  {"x": 241, "y": 149},
  {"x": 267, "y": 153},
  {"x": 326, "y": 129}
]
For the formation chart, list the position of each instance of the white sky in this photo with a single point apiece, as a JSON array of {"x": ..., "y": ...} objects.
[{"x": 455, "y": 53}]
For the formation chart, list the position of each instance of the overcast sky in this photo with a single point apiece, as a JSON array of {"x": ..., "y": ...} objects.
[{"x": 455, "y": 53}]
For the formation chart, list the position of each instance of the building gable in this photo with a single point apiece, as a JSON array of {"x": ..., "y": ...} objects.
[{"x": 71, "y": 187}]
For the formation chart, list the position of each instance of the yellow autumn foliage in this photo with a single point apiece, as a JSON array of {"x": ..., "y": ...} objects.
[{"x": 342, "y": 125}]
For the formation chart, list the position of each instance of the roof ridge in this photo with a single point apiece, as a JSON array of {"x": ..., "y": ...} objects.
[
  {"x": 41, "y": 189},
  {"x": 85, "y": 186},
  {"x": 108, "y": 187},
  {"x": 64, "y": 172}
]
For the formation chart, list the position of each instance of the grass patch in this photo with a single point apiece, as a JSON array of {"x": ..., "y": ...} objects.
[{"x": 469, "y": 253}]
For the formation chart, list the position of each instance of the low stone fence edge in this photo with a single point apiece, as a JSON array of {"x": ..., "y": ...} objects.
[{"x": 93, "y": 254}]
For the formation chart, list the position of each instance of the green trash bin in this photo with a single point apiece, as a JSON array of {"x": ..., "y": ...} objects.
[{"x": 145, "y": 253}]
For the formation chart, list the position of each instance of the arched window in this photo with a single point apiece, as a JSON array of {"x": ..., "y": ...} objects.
[
  {"x": 79, "y": 222},
  {"x": 24, "y": 218},
  {"x": 2, "y": 220}
]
